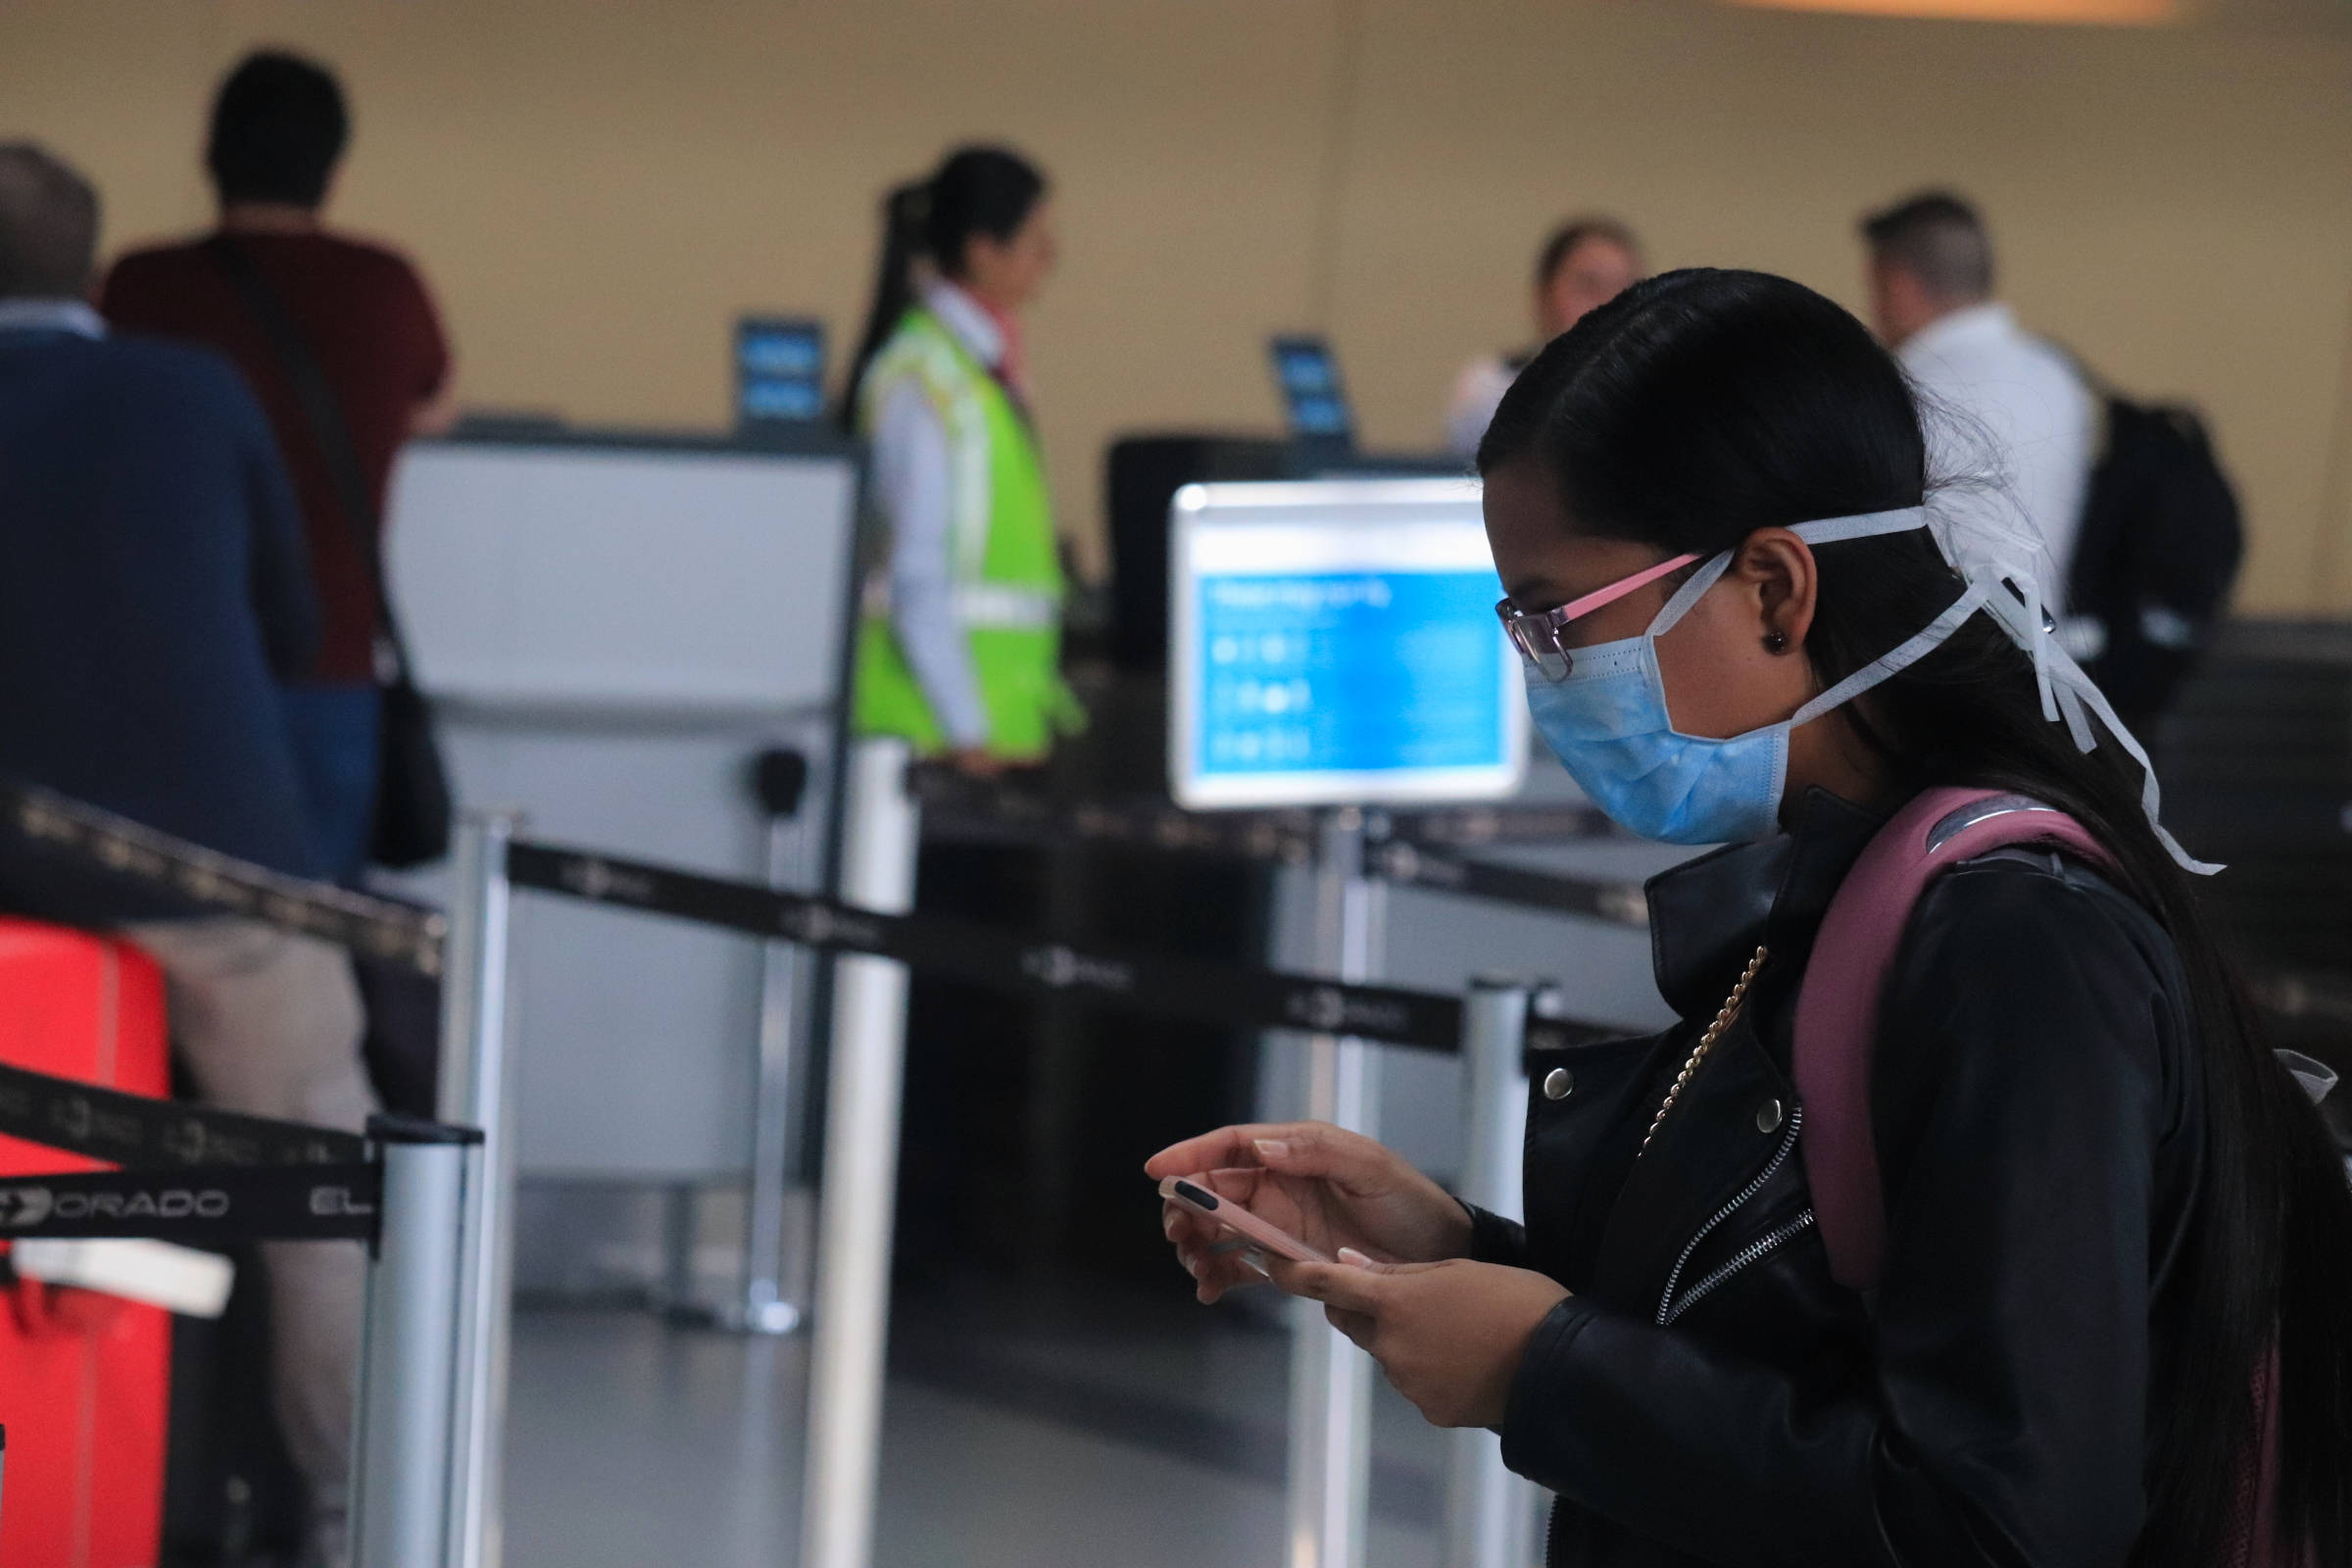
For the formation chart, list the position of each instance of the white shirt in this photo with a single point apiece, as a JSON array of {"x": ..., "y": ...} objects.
[
  {"x": 2002, "y": 406},
  {"x": 913, "y": 479},
  {"x": 1477, "y": 394},
  {"x": 26, "y": 315}
]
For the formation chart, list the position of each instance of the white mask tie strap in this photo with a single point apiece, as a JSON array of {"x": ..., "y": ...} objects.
[
  {"x": 1693, "y": 588},
  {"x": 1820, "y": 531},
  {"x": 2019, "y": 610},
  {"x": 2014, "y": 599},
  {"x": 1863, "y": 525},
  {"x": 1897, "y": 659}
]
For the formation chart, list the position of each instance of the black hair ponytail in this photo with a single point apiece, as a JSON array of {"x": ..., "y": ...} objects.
[
  {"x": 975, "y": 190},
  {"x": 1701, "y": 406},
  {"x": 905, "y": 211}
]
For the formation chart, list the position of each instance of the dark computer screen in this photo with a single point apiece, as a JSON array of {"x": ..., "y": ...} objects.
[
  {"x": 779, "y": 370},
  {"x": 1311, "y": 393}
]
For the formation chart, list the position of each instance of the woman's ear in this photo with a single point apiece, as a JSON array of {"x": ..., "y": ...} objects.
[{"x": 1785, "y": 581}]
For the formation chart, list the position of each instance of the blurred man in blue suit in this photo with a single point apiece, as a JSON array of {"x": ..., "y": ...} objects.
[{"x": 155, "y": 594}]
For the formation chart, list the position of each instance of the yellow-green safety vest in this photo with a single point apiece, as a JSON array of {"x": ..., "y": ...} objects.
[{"x": 1007, "y": 583}]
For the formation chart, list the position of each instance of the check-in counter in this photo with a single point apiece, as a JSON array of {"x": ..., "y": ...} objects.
[{"x": 613, "y": 629}]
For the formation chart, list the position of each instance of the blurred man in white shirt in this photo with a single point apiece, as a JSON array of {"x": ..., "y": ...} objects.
[{"x": 2005, "y": 412}]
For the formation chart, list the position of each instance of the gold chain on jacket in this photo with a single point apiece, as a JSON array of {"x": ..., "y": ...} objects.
[{"x": 1706, "y": 1043}]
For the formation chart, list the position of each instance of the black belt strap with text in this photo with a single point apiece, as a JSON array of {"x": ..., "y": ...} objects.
[
  {"x": 139, "y": 1133},
  {"x": 1416, "y": 848},
  {"x": 190, "y": 1173},
  {"x": 200, "y": 1205},
  {"x": 119, "y": 848},
  {"x": 1620, "y": 902},
  {"x": 989, "y": 956}
]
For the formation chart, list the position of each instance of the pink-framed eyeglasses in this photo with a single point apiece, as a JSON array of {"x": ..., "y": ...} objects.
[{"x": 1538, "y": 633}]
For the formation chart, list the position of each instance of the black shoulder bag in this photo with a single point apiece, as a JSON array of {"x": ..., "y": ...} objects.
[{"x": 411, "y": 792}]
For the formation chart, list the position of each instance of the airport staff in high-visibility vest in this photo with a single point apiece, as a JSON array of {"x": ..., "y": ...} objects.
[{"x": 960, "y": 651}]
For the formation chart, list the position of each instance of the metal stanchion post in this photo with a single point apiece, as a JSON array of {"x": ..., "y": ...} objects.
[
  {"x": 478, "y": 1090},
  {"x": 780, "y": 781},
  {"x": 1331, "y": 1380},
  {"x": 402, "y": 1478},
  {"x": 860, "y": 1176},
  {"x": 1489, "y": 1512}
]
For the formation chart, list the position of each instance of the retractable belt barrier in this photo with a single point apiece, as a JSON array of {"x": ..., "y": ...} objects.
[
  {"x": 190, "y": 1174},
  {"x": 130, "y": 852},
  {"x": 197, "y": 1177},
  {"x": 431, "y": 1201},
  {"x": 139, "y": 1132},
  {"x": 201, "y": 1205},
  {"x": 418, "y": 1194},
  {"x": 1287, "y": 835},
  {"x": 1492, "y": 1031},
  {"x": 1417, "y": 848},
  {"x": 1414, "y": 865},
  {"x": 1192, "y": 988},
  {"x": 1009, "y": 961}
]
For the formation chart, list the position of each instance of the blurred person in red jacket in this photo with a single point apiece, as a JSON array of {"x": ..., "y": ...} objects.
[{"x": 361, "y": 317}]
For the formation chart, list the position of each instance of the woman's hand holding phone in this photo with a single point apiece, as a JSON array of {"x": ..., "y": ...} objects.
[
  {"x": 1329, "y": 1187},
  {"x": 1450, "y": 1336}
]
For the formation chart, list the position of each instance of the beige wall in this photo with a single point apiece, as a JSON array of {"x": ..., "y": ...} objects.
[{"x": 597, "y": 187}]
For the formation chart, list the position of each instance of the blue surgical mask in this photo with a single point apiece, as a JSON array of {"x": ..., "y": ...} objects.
[{"x": 1607, "y": 720}]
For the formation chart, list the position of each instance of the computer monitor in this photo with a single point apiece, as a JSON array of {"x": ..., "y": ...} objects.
[
  {"x": 779, "y": 371},
  {"x": 1312, "y": 398},
  {"x": 1143, "y": 474},
  {"x": 1335, "y": 642}
]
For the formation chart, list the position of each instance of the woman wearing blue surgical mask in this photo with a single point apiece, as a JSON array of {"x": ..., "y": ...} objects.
[{"x": 2112, "y": 1314}]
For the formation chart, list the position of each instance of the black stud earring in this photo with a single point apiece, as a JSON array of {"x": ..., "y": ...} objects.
[{"x": 1776, "y": 642}]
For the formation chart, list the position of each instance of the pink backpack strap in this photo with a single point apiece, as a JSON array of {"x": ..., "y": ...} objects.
[{"x": 1837, "y": 1003}]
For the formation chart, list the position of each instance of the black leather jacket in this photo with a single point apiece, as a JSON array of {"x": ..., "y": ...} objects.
[{"x": 1708, "y": 1395}]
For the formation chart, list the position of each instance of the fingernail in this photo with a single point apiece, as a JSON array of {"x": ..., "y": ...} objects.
[
  {"x": 1257, "y": 1266},
  {"x": 1167, "y": 1226},
  {"x": 1348, "y": 1255},
  {"x": 1273, "y": 1147}
]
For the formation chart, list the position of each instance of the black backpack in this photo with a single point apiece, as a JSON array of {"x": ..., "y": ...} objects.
[{"x": 2157, "y": 555}]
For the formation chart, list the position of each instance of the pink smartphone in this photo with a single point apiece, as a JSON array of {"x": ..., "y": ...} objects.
[{"x": 1239, "y": 1220}]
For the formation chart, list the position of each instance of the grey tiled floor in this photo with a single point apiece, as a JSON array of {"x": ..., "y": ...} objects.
[{"x": 1023, "y": 1427}]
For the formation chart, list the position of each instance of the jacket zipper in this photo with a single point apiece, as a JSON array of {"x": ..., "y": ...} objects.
[
  {"x": 1754, "y": 1251},
  {"x": 1668, "y": 1307}
]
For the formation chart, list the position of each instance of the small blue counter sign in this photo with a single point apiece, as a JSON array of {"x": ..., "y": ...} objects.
[{"x": 1335, "y": 642}]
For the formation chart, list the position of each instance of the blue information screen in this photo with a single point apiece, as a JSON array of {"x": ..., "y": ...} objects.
[
  {"x": 1335, "y": 642},
  {"x": 1310, "y": 387},
  {"x": 779, "y": 371},
  {"x": 1350, "y": 672}
]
